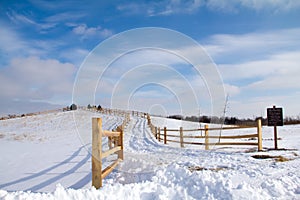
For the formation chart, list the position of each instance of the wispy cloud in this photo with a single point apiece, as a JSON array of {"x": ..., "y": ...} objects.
[
  {"x": 275, "y": 6},
  {"x": 169, "y": 7},
  {"x": 48, "y": 5},
  {"x": 270, "y": 6},
  {"x": 89, "y": 32},
  {"x": 161, "y": 7},
  {"x": 64, "y": 17},
  {"x": 14, "y": 45},
  {"x": 23, "y": 20},
  {"x": 251, "y": 46},
  {"x": 18, "y": 18}
]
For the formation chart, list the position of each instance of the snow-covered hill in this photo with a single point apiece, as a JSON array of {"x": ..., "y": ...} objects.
[{"x": 44, "y": 157}]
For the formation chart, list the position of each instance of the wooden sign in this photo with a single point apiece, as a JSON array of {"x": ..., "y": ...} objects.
[{"x": 275, "y": 116}]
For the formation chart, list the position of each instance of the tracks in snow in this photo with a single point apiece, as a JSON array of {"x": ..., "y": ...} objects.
[{"x": 143, "y": 153}]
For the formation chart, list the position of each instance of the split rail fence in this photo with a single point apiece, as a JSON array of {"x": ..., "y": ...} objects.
[
  {"x": 117, "y": 112},
  {"x": 161, "y": 134},
  {"x": 115, "y": 144}
]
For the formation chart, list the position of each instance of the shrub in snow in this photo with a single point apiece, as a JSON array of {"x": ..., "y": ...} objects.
[{"x": 73, "y": 107}]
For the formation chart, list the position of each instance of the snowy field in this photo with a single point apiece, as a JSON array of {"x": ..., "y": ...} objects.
[{"x": 47, "y": 157}]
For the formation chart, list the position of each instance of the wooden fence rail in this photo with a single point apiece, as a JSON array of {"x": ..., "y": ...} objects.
[
  {"x": 162, "y": 134},
  {"x": 115, "y": 144},
  {"x": 118, "y": 112}
]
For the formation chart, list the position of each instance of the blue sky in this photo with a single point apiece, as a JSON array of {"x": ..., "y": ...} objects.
[{"x": 255, "y": 45}]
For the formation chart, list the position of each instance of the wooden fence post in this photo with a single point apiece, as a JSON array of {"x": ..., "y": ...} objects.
[
  {"x": 149, "y": 120},
  {"x": 159, "y": 135},
  {"x": 120, "y": 142},
  {"x": 155, "y": 133},
  {"x": 206, "y": 137},
  {"x": 165, "y": 135},
  {"x": 110, "y": 142},
  {"x": 181, "y": 137},
  {"x": 96, "y": 152},
  {"x": 259, "y": 135}
]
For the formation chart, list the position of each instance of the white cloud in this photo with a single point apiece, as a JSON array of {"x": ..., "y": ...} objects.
[
  {"x": 10, "y": 42},
  {"x": 23, "y": 20},
  {"x": 274, "y": 6},
  {"x": 231, "y": 90},
  {"x": 14, "y": 45},
  {"x": 165, "y": 78},
  {"x": 221, "y": 5},
  {"x": 86, "y": 32},
  {"x": 263, "y": 83},
  {"x": 285, "y": 78},
  {"x": 280, "y": 71},
  {"x": 18, "y": 18},
  {"x": 131, "y": 8},
  {"x": 35, "y": 79},
  {"x": 257, "y": 106},
  {"x": 75, "y": 55},
  {"x": 177, "y": 6},
  {"x": 169, "y": 7},
  {"x": 166, "y": 7},
  {"x": 251, "y": 46},
  {"x": 259, "y": 69},
  {"x": 65, "y": 16}
]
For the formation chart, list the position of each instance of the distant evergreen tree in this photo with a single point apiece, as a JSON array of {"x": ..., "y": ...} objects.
[
  {"x": 178, "y": 117},
  {"x": 89, "y": 106},
  {"x": 99, "y": 108},
  {"x": 73, "y": 107}
]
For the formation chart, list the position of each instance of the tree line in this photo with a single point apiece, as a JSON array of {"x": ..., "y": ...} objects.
[{"x": 233, "y": 120}]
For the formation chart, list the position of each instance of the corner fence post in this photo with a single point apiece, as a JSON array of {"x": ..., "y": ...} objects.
[
  {"x": 259, "y": 135},
  {"x": 181, "y": 137},
  {"x": 206, "y": 137},
  {"x": 96, "y": 153}
]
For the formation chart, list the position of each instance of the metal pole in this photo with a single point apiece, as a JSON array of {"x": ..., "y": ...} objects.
[
  {"x": 275, "y": 137},
  {"x": 275, "y": 134}
]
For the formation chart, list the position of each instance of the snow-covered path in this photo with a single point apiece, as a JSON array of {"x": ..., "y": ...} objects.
[{"x": 36, "y": 157}]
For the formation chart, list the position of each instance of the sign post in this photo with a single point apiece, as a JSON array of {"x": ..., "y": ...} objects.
[{"x": 275, "y": 118}]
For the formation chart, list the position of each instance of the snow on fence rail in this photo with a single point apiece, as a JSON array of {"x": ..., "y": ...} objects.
[
  {"x": 115, "y": 144},
  {"x": 162, "y": 135}
]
